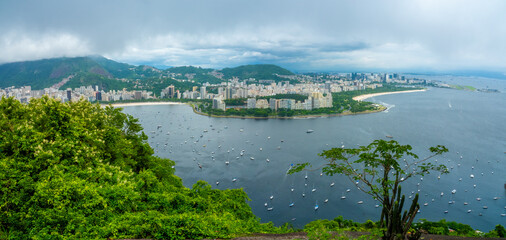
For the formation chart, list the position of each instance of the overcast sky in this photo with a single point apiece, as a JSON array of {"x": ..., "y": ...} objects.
[{"x": 309, "y": 35}]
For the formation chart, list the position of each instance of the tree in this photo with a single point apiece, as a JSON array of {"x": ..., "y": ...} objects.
[
  {"x": 77, "y": 170},
  {"x": 379, "y": 172}
]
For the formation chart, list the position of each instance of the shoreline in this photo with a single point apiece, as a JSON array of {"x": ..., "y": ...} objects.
[
  {"x": 366, "y": 96},
  {"x": 141, "y": 104},
  {"x": 356, "y": 98},
  {"x": 381, "y": 109}
]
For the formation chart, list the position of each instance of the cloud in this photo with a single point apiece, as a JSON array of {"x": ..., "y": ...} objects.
[
  {"x": 310, "y": 35},
  {"x": 20, "y": 47}
]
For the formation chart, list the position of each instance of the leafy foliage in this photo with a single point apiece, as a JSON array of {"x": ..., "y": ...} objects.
[
  {"x": 378, "y": 172},
  {"x": 235, "y": 102},
  {"x": 76, "y": 170},
  {"x": 296, "y": 97}
]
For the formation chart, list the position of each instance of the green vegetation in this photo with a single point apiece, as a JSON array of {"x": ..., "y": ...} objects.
[
  {"x": 259, "y": 72},
  {"x": 44, "y": 73},
  {"x": 461, "y": 87},
  {"x": 235, "y": 102},
  {"x": 378, "y": 169},
  {"x": 47, "y": 72},
  {"x": 296, "y": 97},
  {"x": 335, "y": 229},
  {"x": 156, "y": 85},
  {"x": 342, "y": 102},
  {"x": 200, "y": 75},
  {"x": 77, "y": 170},
  {"x": 92, "y": 79}
]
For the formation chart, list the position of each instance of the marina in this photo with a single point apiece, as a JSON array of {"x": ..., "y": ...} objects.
[{"x": 295, "y": 197}]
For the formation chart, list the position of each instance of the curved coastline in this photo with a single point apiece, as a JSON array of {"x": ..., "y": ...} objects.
[
  {"x": 141, "y": 104},
  {"x": 381, "y": 109},
  {"x": 366, "y": 96},
  {"x": 357, "y": 98}
]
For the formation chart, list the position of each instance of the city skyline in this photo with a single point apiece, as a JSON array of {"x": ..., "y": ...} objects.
[{"x": 387, "y": 36}]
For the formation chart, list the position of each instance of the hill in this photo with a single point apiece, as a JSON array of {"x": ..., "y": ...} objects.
[
  {"x": 112, "y": 75},
  {"x": 198, "y": 74},
  {"x": 259, "y": 72},
  {"x": 46, "y": 72},
  {"x": 80, "y": 171}
]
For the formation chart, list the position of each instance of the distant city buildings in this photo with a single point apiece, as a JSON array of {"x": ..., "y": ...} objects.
[{"x": 318, "y": 88}]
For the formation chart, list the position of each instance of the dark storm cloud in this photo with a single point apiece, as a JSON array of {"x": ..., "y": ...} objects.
[{"x": 319, "y": 35}]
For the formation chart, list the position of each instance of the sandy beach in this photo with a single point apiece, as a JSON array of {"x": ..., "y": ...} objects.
[
  {"x": 366, "y": 96},
  {"x": 142, "y": 104}
]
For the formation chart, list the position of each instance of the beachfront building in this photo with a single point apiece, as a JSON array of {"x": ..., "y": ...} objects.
[
  {"x": 218, "y": 103},
  {"x": 251, "y": 103}
]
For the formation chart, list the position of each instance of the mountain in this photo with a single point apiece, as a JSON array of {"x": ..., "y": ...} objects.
[
  {"x": 109, "y": 74},
  {"x": 46, "y": 72}
]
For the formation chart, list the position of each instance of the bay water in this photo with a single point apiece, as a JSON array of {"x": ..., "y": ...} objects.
[{"x": 255, "y": 155}]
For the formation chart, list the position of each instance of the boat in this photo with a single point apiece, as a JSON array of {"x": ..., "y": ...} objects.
[
  {"x": 326, "y": 200},
  {"x": 270, "y": 209},
  {"x": 267, "y": 160},
  {"x": 468, "y": 211},
  {"x": 388, "y": 136},
  {"x": 485, "y": 207},
  {"x": 454, "y": 191},
  {"x": 217, "y": 183},
  {"x": 252, "y": 158},
  {"x": 478, "y": 199},
  {"x": 446, "y": 211},
  {"x": 309, "y": 131},
  {"x": 348, "y": 190},
  {"x": 465, "y": 203},
  {"x": 235, "y": 179},
  {"x": 332, "y": 184},
  {"x": 343, "y": 197},
  {"x": 227, "y": 162},
  {"x": 265, "y": 204},
  {"x": 316, "y": 207},
  {"x": 303, "y": 195},
  {"x": 291, "y": 204},
  {"x": 313, "y": 190},
  {"x": 272, "y": 197},
  {"x": 426, "y": 204},
  {"x": 376, "y": 206},
  {"x": 360, "y": 202},
  {"x": 471, "y": 176}
]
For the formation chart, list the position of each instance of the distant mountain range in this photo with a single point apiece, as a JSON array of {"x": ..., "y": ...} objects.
[{"x": 112, "y": 75}]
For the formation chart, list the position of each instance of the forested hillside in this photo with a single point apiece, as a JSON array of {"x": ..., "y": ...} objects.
[
  {"x": 77, "y": 170},
  {"x": 97, "y": 70}
]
